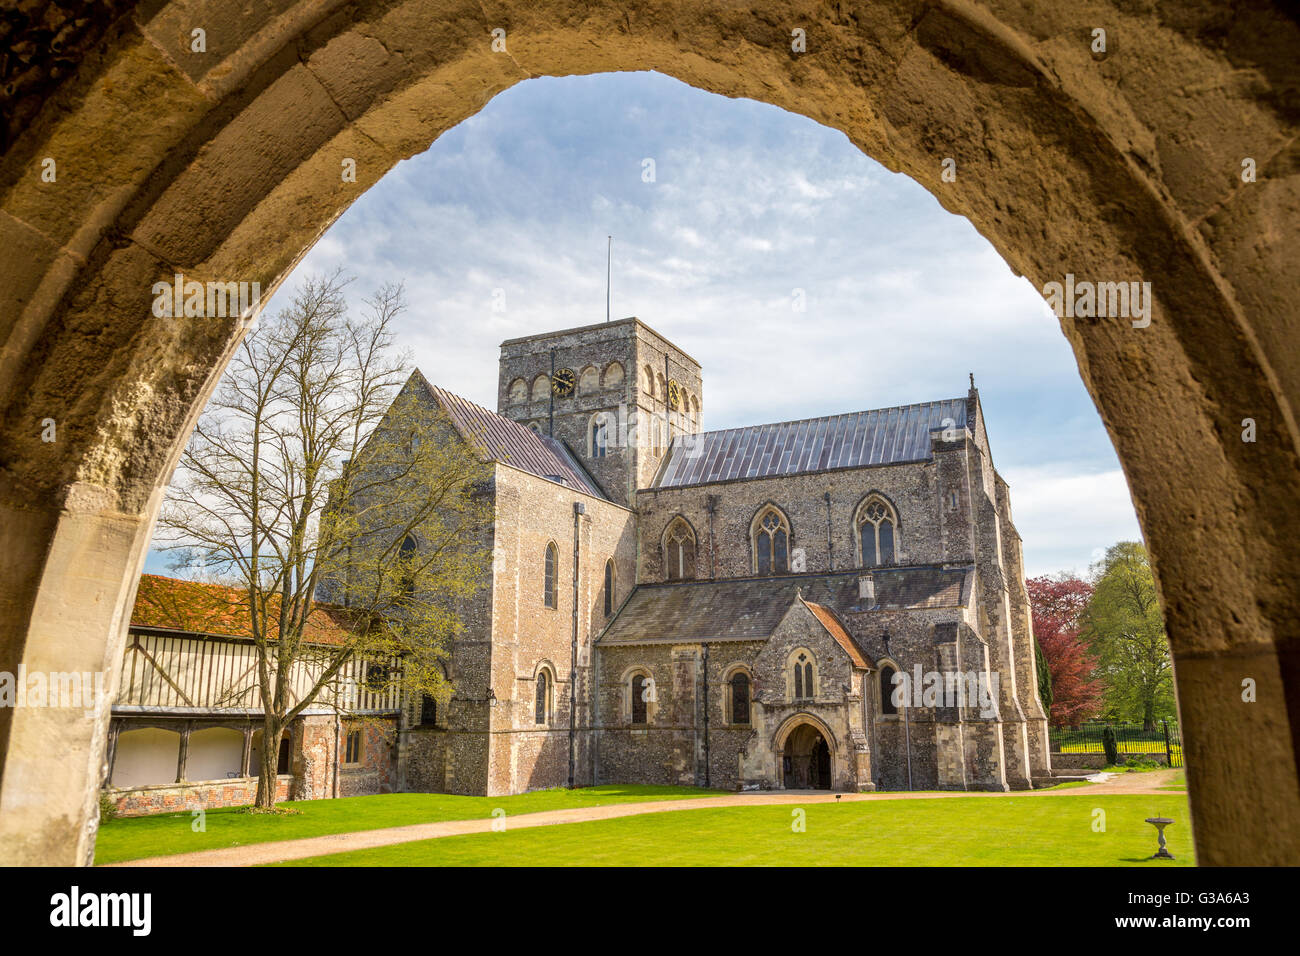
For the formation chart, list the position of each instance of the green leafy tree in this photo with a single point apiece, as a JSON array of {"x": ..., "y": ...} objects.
[
  {"x": 1044, "y": 676},
  {"x": 1125, "y": 631}
]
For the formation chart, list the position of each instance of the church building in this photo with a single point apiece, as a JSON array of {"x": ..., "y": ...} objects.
[{"x": 834, "y": 603}]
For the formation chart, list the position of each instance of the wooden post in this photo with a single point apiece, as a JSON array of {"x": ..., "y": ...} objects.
[
  {"x": 184, "y": 751},
  {"x": 248, "y": 750},
  {"x": 114, "y": 729}
]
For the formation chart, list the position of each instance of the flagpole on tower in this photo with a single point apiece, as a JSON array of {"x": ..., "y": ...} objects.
[{"x": 609, "y": 265}]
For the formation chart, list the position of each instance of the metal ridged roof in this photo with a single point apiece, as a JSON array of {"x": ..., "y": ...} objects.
[
  {"x": 881, "y": 436},
  {"x": 514, "y": 444}
]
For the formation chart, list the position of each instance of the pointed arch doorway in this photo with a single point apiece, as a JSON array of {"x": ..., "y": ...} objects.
[{"x": 805, "y": 757}]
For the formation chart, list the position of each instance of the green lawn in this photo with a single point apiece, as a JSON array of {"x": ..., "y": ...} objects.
[
  {"x": 162, "y": 835},
  {"x": 1179, "y": 782},
  {"x": 1133, "y": 747},
  {"x": 961, "y": 831}
]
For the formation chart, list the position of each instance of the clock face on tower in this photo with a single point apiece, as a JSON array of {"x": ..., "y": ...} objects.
[
  {"x": 674, "y": 394},
  {"x": 564, "y": 382}
]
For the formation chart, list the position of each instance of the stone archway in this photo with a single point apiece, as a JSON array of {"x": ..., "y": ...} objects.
[
  {"x": 805, "y": 752},
  {"x": 226, "y": 165}
]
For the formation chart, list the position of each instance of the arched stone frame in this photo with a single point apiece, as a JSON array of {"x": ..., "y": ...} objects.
[
  {"x": 757, "y": 528},
  {"x": 648, "y": 381},
  {"x": 729, "y": 673},
  {"x": 861, "y": 516},
  {"x": 543, "y": 699},
  {"x": 609, "y": 588},
  {"x": 1216, "y": 346},
  {"x": 517, "y": 394},
  {"x": 678, "y": 529},
  {"x": 626, "y": 685},
  {"x": 808, "y": 663},
  {"x": 614, "y": 375},
  {"x": 588, "y": 380},
  {"x": 781, "y": 737},
  {"x": 654, "y": 423},
  {"x": 880, "y": 683},
  {"x": 600, "y": 434},
  {"x": 406, "y": 551},
  {"x": 541, "y": 389},
  {"x": 419, "y": 710},
  {"x": 787, "y": 726}
]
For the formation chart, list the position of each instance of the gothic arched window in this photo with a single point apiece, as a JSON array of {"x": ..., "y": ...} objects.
[
  {"x": 876, "y": 525},
  {"x": 639, "y": 698},
  {"x": 542, "y": 702},
  {"x": 803, "y": 682},
  {"x": 739, "y": 698},
  {"x": 406, "y": 566},
  {"x": 887, "y": 690},
  {"x": 599, "y": 435},
  {"x": 609, "y": 587},
  {"x": 771, "y": 539},
  {"x": 552, "y": 569},
  {"x": 679, "y": 550},
  {"x": 428, "y": 711}
]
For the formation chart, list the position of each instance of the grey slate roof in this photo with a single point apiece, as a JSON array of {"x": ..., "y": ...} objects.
[
  {"x": 507, "y": 441},
  {"x": 749, "y": 609},
  {"x": 881, "y": 436}
]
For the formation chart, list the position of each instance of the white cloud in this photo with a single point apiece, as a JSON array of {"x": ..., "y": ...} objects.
[
  {"x": 1068, "y": 519},
  {"x": 903, "y": 298}
]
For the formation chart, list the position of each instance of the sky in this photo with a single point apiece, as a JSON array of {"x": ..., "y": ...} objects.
[{"x": 725, "y": 215}]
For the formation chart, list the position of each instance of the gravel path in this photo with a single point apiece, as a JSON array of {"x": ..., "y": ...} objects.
[{"x": 282, "y": 850}]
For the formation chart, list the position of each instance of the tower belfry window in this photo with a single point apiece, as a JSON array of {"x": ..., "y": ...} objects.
[{"x": 599, "y": 436}]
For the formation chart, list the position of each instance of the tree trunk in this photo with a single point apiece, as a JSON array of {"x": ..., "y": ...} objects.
[{"x": 266, "y": 773}]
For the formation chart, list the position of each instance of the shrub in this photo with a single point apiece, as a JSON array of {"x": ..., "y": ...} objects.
[
  {"x": 1141, "y": 762},
  {"x": 1110, "y": 745},
  {"x": 107, "y": 808}
]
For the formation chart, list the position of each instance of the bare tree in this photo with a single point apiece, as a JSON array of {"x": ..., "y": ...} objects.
[{"x": 314, "y": 472}]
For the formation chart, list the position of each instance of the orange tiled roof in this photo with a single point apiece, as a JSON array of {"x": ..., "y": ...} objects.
[
  {"x": 220, "y": 609},
  {"x": 836, "y": 629}
]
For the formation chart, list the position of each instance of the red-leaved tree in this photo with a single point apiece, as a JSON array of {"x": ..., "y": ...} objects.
[{"x": 1057, "y": 605}]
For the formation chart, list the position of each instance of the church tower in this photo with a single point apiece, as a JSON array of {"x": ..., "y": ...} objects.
[{"x": 616, "y": 393}]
